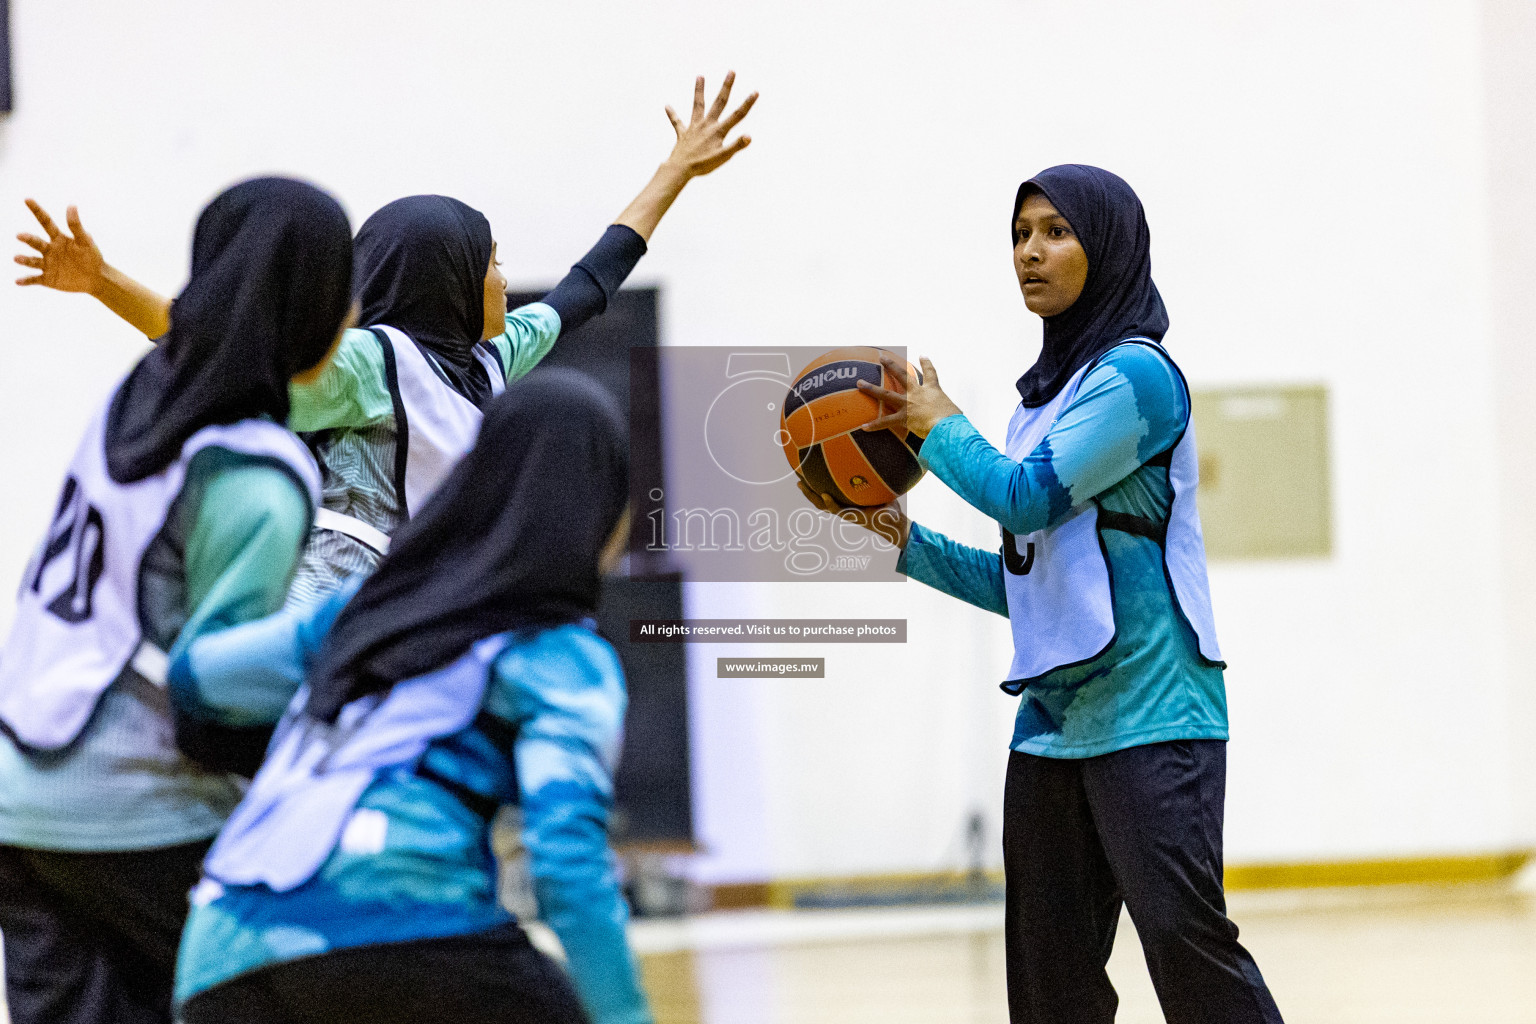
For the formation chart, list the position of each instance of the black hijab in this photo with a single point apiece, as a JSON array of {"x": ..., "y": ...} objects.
[
  {"x": 511, "y": 539},
  {"x": 270, "y": 287},
  {"x": 421, "y": 265},
  {"x": 1119, "y": 300}
]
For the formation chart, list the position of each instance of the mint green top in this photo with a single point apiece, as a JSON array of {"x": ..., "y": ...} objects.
[
  {"x": 351, "y": 392},
  {"x": 225, "y": 556},
  {"x": 348, "y": 416}
]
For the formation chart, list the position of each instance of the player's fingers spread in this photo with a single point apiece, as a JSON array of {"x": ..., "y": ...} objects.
[
  {"x": 43, "y": 218},
  {"x": 887, "y": 420},
  {"x": 52, "y": 229},
  {"x": 35, "y": 242},
  {"x": 722, "y": 97},
  {"x": 677, "y": 125},
  {"x": 740, "y": 112},
  {"x": 930, "y": 375},
  {"x": 72, "y": 218},
  {"x": 886, "y": 396},
  {"x": 895, "y": 369},
  {"x": 698, "y": 99},
  {"x": 722, "y": 155},
  {"x": 30, "y": 280},
  {"x": 35, "y": 262}
]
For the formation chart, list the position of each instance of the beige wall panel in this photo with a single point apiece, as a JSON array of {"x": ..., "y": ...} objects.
[{"x": 1264, "y": 472}]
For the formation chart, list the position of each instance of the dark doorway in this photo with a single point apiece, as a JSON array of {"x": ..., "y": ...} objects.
[
  {"x": 653, "y": 797},
  {"x": 5, "y": 56}
]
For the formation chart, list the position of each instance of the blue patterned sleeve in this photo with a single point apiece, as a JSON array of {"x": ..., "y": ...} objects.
[
  {"x": 971, "y": 574},
  {"x": 567, "y": 698},
  {"x": 1129, "y": 408},
  {"x": 247, "y": 674}
]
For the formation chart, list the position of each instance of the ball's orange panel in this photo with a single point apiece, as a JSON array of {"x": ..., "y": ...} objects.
[
  {"x": 799, "y": 426},
  {"x": 829, "y": 416},
  {"x": 853, "y": 473}
]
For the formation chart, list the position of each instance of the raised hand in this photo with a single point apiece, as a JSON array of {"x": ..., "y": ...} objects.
[
  {"x": 68, "y": 263},
  {"x": 886, "y": 521},
  {"x": 701, "y": 145},
  {"x": 72, "y": 263},
  {"x": 918, "y": 407}
]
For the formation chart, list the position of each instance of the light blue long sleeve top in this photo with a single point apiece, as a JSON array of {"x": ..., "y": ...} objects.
[
  {"x": 1151, "y": 684},
  {"x": 562, "y": 691}
]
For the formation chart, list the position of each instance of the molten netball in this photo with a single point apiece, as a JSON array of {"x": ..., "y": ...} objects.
[{"x": 821, "y": 430}]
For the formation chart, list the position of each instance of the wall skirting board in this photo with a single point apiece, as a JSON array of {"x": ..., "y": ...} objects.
[{"x": 940, "y": 887}]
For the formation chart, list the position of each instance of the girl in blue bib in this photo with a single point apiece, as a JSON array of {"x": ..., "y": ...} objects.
[
  {"x": 1118, "y": 772},
  {"x": 355, "y": 881}
]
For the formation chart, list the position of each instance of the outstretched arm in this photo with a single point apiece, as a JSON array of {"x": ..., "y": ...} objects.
[
  {"x": 972, "y": 575},
  {"x": 73, "y": 263},
  {"x": 700, "y": 147}
]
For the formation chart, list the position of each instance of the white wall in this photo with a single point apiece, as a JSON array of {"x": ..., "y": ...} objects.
[
  {"x": 1317, "y": 177},
  {"x": 1509, "y": 36}
]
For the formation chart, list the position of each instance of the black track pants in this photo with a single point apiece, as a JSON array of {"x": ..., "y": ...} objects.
[
  {"x": 1140, "y": 826},
  {"x": 90, "y": 938},
  {"x": 493, "y": 977}
]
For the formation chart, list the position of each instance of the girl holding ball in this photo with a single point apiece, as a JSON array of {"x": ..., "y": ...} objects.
[{"x": 1117, "y": 774}]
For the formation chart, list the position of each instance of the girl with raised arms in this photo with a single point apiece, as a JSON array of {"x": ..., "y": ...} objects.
[
  {"x": 400, "y": 403},
  {"x": 1118, "y": 773},
  {"x": 182, "y": 517},
  {"x": 356, "y": 880}
]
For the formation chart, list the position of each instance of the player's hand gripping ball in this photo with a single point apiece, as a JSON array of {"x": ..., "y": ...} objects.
[{"x": 820, "y": 430}]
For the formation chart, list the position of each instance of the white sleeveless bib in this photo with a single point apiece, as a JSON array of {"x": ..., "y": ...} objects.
[
  {"x": 440, "y": 425},
  {"x": 77, "y": 615},
  {"x": 1057, "y": 579},
  {"x": 302, "y": 800}
]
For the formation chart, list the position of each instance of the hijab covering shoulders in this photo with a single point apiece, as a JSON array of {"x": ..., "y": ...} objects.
[
  {"x": 270, "y": 289},
  {"x": 421, "y": 264},
  {"x": 511, "y": 539},
  {"x": 1119, "y": 300}
]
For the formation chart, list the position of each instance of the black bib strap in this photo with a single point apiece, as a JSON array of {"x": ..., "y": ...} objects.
[
  {"x": 480, "y": 804},
  {"x": 402, "y": 425},
  {"x": 500, "y": 732},
  {"x": 1126, "y": 523}
]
